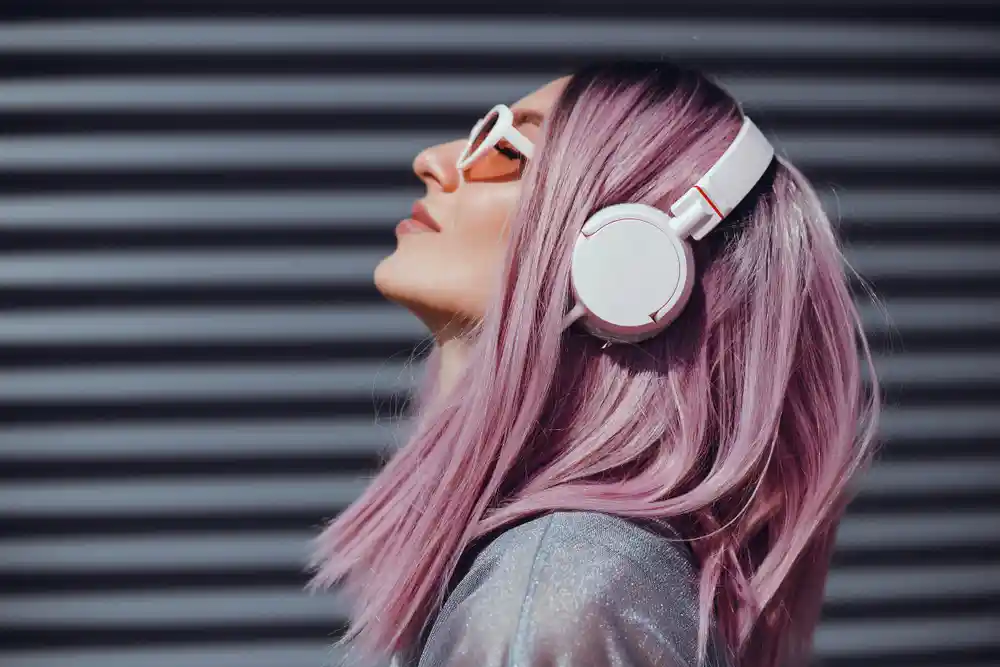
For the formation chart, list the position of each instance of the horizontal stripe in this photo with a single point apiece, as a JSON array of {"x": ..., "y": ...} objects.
[
  {"x": 939, "y": 530},
  {"x": 164, "y": 494},
  {"x": 286, "y": 605},
  {"x": 476, "y": 94},
  {"x": 320, "y": 493},
  {"x": 863, "y": 639},
  {"x": 150, "y": 326},
  {"x": 920, "y": 479},
  {"x": 177, "y": 552},
  {"x": 196, "y": 439},
  {"x": 894, "y": 584},
  {"x": 282, "y": 606},
  {"x": 356, "y": 266},
  {"x": 907, "y": 316},
  {"x": 683, "y": 38},
  {"x": 383, "y": 321},
  {"x": 290, "y": 550},
  {"x": 270, "y": 653},
  {"x": 274, "y": 551},
  {"x": 301, "y": 380},
  {"x": 888, "y": 207},
  {"x": 938, "y": 370},
  {"x": 934, "y": 428},
  {"x": 913, "y": 260},
  {"x": 396, "y": 150},
  {"x": 105, "y": 269},
  {"x": 911, "y": 428},
  {"x": 218, "y": 210},
  {"x": 286, "y": 381}
]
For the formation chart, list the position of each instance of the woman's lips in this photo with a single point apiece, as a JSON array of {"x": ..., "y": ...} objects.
[
  {"x": 420, "y": 220},
  {"x": 411, "y": 226}
]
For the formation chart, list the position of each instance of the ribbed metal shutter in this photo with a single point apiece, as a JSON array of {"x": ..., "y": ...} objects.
[{"x": 192, "y": 198}]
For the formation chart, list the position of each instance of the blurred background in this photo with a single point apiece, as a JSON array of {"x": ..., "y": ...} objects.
[{"x": 195, "y": 369}]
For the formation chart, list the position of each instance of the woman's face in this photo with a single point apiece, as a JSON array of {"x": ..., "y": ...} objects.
[{"x": 447, "y": 276}]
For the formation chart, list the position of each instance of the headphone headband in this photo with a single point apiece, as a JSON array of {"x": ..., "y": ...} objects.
[
  {"x": 633, "y": 268},
  {"x": 724, "y": 185}
]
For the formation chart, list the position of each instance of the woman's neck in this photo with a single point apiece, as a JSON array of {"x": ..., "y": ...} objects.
[{"x": 454, "y": 356}]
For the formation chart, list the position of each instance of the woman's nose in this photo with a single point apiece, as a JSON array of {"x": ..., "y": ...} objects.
[{"x": 435, "y": 166}]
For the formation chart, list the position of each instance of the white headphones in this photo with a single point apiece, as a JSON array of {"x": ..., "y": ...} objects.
[{"x": 633, "y": 269}]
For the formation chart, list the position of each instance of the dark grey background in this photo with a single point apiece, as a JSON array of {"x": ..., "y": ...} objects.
[{"x": 193, "y": 196}]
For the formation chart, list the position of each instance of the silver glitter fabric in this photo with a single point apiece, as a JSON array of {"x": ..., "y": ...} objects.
[{"x": 571, "y": 589}]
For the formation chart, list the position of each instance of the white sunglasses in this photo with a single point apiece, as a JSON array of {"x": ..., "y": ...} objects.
[{"x": 496, "y": 125}]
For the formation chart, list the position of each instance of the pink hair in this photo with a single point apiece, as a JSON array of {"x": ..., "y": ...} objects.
[{"x": 743, "y": 424}]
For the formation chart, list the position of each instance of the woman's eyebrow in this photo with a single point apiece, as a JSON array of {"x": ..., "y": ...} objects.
[{"x": 528, "y": 116}]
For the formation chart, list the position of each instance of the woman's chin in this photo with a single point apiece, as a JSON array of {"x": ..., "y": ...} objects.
[
  {"x": 391, "y": 282},
  {"x": 394, "y": 285},
  {"x": 442, "y": 302}
]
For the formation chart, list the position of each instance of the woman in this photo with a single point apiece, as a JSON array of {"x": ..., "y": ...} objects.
[{"x": 581, "y": 490}]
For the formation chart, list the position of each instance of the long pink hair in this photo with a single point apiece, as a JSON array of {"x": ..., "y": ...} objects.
[{"x": 742, "y": 425}]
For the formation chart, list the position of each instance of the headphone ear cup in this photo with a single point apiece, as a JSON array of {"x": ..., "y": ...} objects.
[{"x": 631, "y": 275}]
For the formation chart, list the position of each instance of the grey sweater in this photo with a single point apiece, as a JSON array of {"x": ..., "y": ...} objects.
[{"x": 570, "y": 589}]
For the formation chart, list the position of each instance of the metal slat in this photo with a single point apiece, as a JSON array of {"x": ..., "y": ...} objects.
[
  {"x": 355, "y": 266},
  {"x": 149, "y": 326},
  {"x": 928, "y": 479},
  {"x": 259, "y": 653},
  {"x": 192, "y": 267},
  {"x": 913, "y": 316},
  {"x": 273, "y": 551},
  {"x": 302, "y": 380},
  {"x": 497, "y": 35},
  {"x": 163, "y": 495},
  {"x": 193, "y": 440},
  {"x": 929, "y": 209},
  {"x": 885, "y": 207},
  {"x": 459, "y": 92},
  {"x": 396, "y": 150},
  {"x": 343, "y": 150},
  {"x": 940, "y": 530},
  {"x": 130, "y": 610},
  {"x": 215, "y": 210},
  {"x": 207, "y": 382},
  {"x": 939, "y": 371},
  {"x": 175, "y": 551},
  {"x": 869, "y": 533},
  {"x": 910, "y": 637},
  {"x": 289, "y": 605},
  {"x": 882, "y": 261},
  {"x": 156, "y": 496},
  {"x": 933, "y": 429},
  {"x": 897, "y": 584},
  {"x": 915, "y": 429}
]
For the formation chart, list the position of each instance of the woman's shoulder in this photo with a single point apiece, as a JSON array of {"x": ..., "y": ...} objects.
[
  {"x": 566, "y": 575},
  {"x": 588, "y": 540}
]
